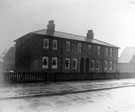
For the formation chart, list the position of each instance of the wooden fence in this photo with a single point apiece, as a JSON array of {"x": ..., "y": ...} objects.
[{"x": 57, "y": 77}]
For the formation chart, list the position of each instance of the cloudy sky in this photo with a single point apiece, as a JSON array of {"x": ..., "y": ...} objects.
[{"x": 113, "y": 21}]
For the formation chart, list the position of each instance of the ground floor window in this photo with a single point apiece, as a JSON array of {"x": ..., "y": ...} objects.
[
  {"x": 67, "y": 63},
  {"x": 92, "y": 65},
  {"x": 54, "y": 62},
  {"x": 74, "y": 63},
  {"x": 110, "y": 65},
  {"x": 45, "y": 61},
  {"x": 106, "y": 64},
  {"x": 98, "y": 64}
]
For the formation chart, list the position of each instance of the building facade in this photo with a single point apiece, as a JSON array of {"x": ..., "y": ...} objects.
[{"x": 48, "y": 50}]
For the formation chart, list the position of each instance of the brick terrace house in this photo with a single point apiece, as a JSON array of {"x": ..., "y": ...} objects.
[{"x": 48, "y": 50}]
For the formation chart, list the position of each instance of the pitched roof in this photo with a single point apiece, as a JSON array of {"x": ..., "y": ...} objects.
[
  {"x": 132, "y": 59},
  {"x": 73, "y": 37},
  {"x": 127, "y": 55}
]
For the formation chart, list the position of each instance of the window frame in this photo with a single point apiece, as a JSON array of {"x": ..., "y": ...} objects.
[
  {"x": 106, "y": 51},
  {"x": 67, "y": 59},
  {"x": 75, "y": 67},
  {"x": 92, "y": 67},
  {"x": 98, "y": 50},
  {"x": 110, "y": 65},
  {"x": 89, "y": 49},
  {"x": 45, "y": 40},
  {"x": 53, "y": 47},
  {"x": 111, "y": 52},
  {"x": 68, "y": 46},
  {"x": 98, "y": 65},
  {"x": 55, "y": 66},
  {"x": 79, "y": 47},
  {"x": 106, "y": 65},
  {"x": 47, "y": 65}
]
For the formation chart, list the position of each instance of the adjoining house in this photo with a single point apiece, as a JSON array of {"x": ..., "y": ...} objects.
[
  {"x": 9, "y": 60},
  {"x": 126, "y": 62},
  {"x": 48, "y": 50}
]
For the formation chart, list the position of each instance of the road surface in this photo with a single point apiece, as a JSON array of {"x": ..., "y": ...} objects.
[{"x": 112, "y": 100}]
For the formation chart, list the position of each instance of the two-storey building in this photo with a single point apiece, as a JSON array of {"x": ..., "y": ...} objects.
[{"x": 48, "y": 50}]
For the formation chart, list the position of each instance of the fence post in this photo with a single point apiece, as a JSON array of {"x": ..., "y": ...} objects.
[{"x": 55, "y": 76}]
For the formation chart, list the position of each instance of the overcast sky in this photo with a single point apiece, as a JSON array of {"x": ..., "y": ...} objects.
[{"x": 113, "y": 21}]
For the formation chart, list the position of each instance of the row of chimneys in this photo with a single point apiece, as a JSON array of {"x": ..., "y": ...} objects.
[{"x": 51, "y": 30}]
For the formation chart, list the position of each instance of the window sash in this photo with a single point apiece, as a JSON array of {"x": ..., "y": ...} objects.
[
  {"x": 98, "y": 50},
  {"x": 45, "y": 61},
  {"x": 74, "y": 63},
  {"x": 106, "y": 64},
  {"x": 67, "y": 63},
  {"x": 111, "y": 52},
  {"x": 68, "y": 46},
  {"x": 92, "y": 65},
  {"x": 98, "y": 65},
  {"x": 110, "y": 65},
  {"x": 89, "y": 49},
  {"x": 106, "y": 51},
  {"x": 46, "y": 44},
  {"x": 56, "y": 63},
  {"x": 79, "y": 47},
  {"x": 55, "y": 44}
]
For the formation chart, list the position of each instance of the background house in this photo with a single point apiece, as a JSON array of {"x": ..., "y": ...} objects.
[
  {"x": 126, "y": 62},
  {"x": 9, "y": 60},
  {"x": 48, "y": 50}
]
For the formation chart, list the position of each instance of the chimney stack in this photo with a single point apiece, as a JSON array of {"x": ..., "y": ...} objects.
[
  {"x": 90, "y": 35},
  {"x": 50, "y": 28}
]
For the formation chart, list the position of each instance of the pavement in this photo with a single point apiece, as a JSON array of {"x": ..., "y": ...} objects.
[{"x": 9, "y": 91}]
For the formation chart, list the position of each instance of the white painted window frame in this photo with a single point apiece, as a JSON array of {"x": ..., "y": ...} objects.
[{"x": 45, "y": 66}]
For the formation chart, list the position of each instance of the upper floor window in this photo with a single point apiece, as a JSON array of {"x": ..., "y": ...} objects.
[
  {"x": 54, "y": 62},
  {"x": 106, "y": 64},
  {"x": 98, "y": 50},
  {"x": 68, "y": 46},
  {"x": 75, "y": 63},
  {"x": 79, "y": 47},
  {"x": 92, "y": 65},
  {"x": 106, "y": 51},
  {"x": 111, "y": 52},
  {"x": 46, "y": 43},
  {"x": 55, "y": 44},
  {"x": 89, "y": 49},
  {"x": 67, "y": 63},
  {"x": 110, "y": 65},
  {"x": 45, "y": 61},
  {"x": 98, "y": 64}
]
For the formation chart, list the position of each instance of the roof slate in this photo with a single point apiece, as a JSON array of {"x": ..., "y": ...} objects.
[{"x": 73, "y": 37}]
